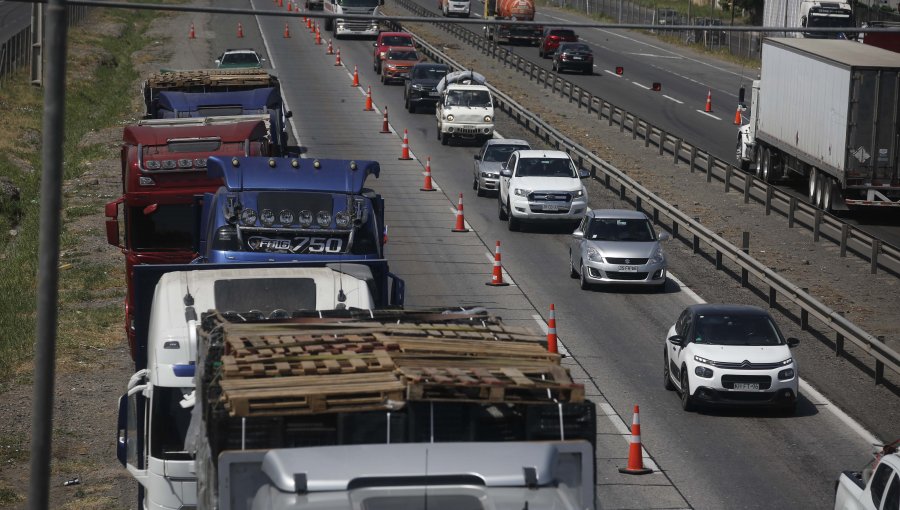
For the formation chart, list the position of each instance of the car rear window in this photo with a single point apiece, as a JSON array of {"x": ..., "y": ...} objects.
[{"x": 575, "y": 47}]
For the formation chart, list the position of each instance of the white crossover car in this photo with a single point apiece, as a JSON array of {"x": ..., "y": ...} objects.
[
  {"x": 732, "y": 355},
  {"x": 541, "y": 185}
]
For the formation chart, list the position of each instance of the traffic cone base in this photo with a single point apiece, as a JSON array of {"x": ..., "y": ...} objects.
[
  {"x": 708, "y": 107},
  {"x": 635, "y": 450}
]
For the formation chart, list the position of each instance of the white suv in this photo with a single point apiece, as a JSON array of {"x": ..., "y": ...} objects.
[
  {"x": 730, "y": 354},
  {"x": 541, "y": 185}
]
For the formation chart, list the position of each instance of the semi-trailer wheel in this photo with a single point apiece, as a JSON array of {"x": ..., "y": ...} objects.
[{"x": 813, "y": 184}]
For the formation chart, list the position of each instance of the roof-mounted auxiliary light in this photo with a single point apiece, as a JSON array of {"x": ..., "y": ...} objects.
[{"x": 235, "y": 162}]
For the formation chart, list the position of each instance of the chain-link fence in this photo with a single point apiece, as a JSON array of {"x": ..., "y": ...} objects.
[{"x": 16, "y": 48}]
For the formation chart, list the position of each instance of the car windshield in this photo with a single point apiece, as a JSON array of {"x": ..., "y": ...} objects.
[
  {"x": 429, "y": 73},
  {"x": 545, "y": 167},
  {"x": 736, "y": 329},
  {"x": 618, "y": 229},
  {"x": 575, "y": 47},
  {"x": 403, "y": 55},
  {"x": 240, "y": 58},
  {"x": 471, "y": 98},
  {"x": 499, "y": 153},
  {"x": 396, "y": 40}
]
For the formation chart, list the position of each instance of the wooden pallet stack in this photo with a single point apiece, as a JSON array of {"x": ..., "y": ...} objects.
[
  {"x": 309, "y": 366},
  {"x": 215, "y": 78}
]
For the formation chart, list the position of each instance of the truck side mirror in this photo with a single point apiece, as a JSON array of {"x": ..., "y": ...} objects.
[
  {"x": 288, "y": 114},
  {"x": 742, "y": 92},
  {"x": 218, "y": 61},
  {"x": 112, "y": 223},
  {"x": 583, "y": 174},
  {"x": 477, "y": 157}
]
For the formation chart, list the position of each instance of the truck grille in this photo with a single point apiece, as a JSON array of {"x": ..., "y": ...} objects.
[
  {"x": 466, "y": 130},
  {"x": 549, "y": 196},
  {"x": 764, "y": 381}
]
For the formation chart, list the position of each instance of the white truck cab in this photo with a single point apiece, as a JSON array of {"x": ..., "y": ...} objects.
[
  {"x": 541, "y": 185},
  {"x": 155, "y": 412},
  {"x": 876, "y": 488},
  {"x": 465, "y": 108}
]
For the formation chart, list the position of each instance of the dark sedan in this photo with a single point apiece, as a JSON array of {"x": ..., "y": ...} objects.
[
  {"x": 573, "y": 56},
  {"x": 421, "y": 86}
]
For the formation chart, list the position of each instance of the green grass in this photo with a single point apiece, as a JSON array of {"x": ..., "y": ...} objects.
[
  {"x": 91, "y": 104},
  {"x": 9, "y": 496}
]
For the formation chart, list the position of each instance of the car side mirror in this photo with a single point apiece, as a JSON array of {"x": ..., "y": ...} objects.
[
  {"x": 262, "y": 60},
  {"x": 218, "y": 61},
  {"x": 583, "y": 174},
  {"x": 677, "y": 340},
  {"x": 793, "y": 342},
  {"x": 506, "y": 172},
  {"x": 578, "y": 234},
  {"x": 663, "y": 236},
  {"x": 288, "y": 114},
  {"x": 477, "y": 157}
]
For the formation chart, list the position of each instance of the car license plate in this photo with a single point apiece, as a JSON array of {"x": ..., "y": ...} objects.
[
  {"x": 628, "y": 269},
  {"x": 434, "y": 93},
  {"x": 578, "y": 58},
  {"x": 746, "y": 386},
  {"x": 403, "y": 75},
  {"x": 551, "y": 207}
]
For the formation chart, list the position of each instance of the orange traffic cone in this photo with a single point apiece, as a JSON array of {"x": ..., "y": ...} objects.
[
  {"x": 404, "y": 147},
  {"x": 460, "y": 217},
  {"x": 318, "y": 36},
  {"x": 280, "y": 3},
  {"x": 427, "y": 186},
  {"x": 287, "y": 31},
  {"x": 355, "y": 77},
  {"x": 708, "y": 101},
  {"x": 290, "y": 6},
  {"x": 737, "y": 116},
  {"x": 337, "y": 58},
  {"x": 192, "y": 35},
  {"x": 368, "y": 107},
  {"x": 635, "y": 457},
  {"x": 240, "y": 33},
  {"x": 385, "y": 128},
  {"x": 330, "y": 49},
  {"x": 309, "y": 23},
  {"x": 552, "y": 339},
  {"x": 497, "y": 275}
]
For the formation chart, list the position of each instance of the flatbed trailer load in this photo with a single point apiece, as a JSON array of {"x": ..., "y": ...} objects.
[{"x": 345, "y": 383}]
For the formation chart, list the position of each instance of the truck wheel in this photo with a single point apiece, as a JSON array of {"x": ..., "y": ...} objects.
[
  {"x": 828, "y": 194},
  {"x": 445, "y": 138},
  {"x": 821, "y": 182},
  {"x": 765, "y": 169},
  {"x": 514, "y": 224}
]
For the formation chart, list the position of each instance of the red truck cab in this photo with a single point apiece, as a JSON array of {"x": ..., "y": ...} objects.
[
  {"x": 163, "y": 169},
  {"x": 384, "y": 41}
]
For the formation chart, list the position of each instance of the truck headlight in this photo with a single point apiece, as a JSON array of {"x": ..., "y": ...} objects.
[
  {"x": 579, "y": 193},
  {"x": 286, "y": 217},
  {"x": 487, "y": 118},
  {"x": 305, "y": 218},
  {"x": 342, "y": 219},
  {"x": 450, "y": 118},
  {"x": 323, "y": 218},
  {"x": 267, "y": 217},
  {"x": 521, "y": 192},
  {"x": 248, "y": 217}
]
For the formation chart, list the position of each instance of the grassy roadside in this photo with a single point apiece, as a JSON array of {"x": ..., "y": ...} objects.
[{"x": 99, "y": 70}]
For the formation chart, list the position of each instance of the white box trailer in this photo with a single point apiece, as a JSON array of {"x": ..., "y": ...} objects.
[{"x": 827, "y": 110}]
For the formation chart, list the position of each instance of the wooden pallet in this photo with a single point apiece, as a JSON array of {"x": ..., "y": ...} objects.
[
  {"x": 285, "y": 396},
  {"x": 210, "y": 77},
  {"x": 286, "y": 365},
  {"x": 507, "y": 384}
]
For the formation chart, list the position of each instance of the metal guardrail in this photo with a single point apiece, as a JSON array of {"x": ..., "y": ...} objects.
[
  {"x": 849, "y": 238},
  {"x": 642, "y": 197},
  {"x": 16, "y": 50}
]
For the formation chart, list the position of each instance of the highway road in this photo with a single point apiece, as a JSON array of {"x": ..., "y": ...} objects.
[{"x": 715, "y": 460}]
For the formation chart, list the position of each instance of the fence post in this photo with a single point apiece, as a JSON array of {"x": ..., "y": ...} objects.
[
  {"x": 876, "y": 248},
  {"x": 769, "y": 192},
  {"x": 817, "y": 224},
  {"x": 709, "y": 167},
  {"x": 727, "y": 178},
  {"x": 845, "y": 234},
  {"x": 662, "y": 141},
  {"x": 745, "y": 247},
  {"x": 693, "y": 157},
  {"x": 748, "y": 182},
  {"x": 695, "y": 244},
  {"x": 676, "y": 152},
  {"x": 792, "y": 209}
]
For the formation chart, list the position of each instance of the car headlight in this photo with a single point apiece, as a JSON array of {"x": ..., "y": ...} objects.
[
  {"x": 521, "y": 192},
  {"x": 787, "y": 362},
  {"x": 658, "y": 258},
  {"x": 450, "y": 117},
  {"x": 704, "y": 372},
  {"x": 487, "y": 118},
  {"x": 594, "y": 255},
  {"x": 416, "y": 86},
  {"x": 705, "y": 361},
  {"x": 489, "y": 175},
  {"x": 382, "y": 54},
  {"x": 579, "y": 193},
  {"x": 786, "y": 374}
]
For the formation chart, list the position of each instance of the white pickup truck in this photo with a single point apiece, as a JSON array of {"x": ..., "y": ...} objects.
[
  {"x": 465, "y": 108},
  {"x": 874, "y": 488}
]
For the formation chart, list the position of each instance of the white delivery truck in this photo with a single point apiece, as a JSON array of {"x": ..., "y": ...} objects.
[
  {"x": 465, "y": 108},
  {"x": 826, "y": 111}
]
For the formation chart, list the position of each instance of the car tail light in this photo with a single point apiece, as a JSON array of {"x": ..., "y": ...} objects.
[{"x": 554, "y": 37}]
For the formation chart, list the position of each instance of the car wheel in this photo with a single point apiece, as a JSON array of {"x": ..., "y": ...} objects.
[
  {"x": 410, "y": 107},
  {"x": 445, "y": 138},
  {"x": 475, "y": 184},
  {"x": 585, "y": 285},
  {"x": 382, "y": 79},
  {"x": 668, "y": 384},
  {"x": 501, "y": 212},
  {"x": 514, "y": 223},
  {"x": 573, "y": 273},
  {"x": 687, "y": 401}
]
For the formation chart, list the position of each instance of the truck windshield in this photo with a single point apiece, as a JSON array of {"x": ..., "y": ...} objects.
[
  {"x": 169, "y": 227},
  {"x": 470, "y": 98},
  {"x": 169, "y": 424},
  {"x": 538, "y": 167}
]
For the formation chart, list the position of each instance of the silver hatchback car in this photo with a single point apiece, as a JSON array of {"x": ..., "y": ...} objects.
[
  {"x": 617, "y": 246},
  {"x": 489, "y": 159}
]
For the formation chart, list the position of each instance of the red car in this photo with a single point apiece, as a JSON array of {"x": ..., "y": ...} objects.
[
  {"x": 551, "y": 39},
  {"x": 384, "y": 41},
  {"x": 397, "y": 63}
]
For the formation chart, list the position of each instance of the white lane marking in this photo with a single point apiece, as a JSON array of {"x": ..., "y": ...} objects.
[
  {"x": 709, "y": 115},
  {"x": 641, "y": 86},
  {"x": 673, "y": 99},
  {"x": 658, "y": 48},
  {"x": 498, "y": 135},
  {"x": 650, "y": 55},
  {"x": 262, "y": 33},
  {"x": 612, "y": 73},
  {"x": 805, "y": 387}
]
